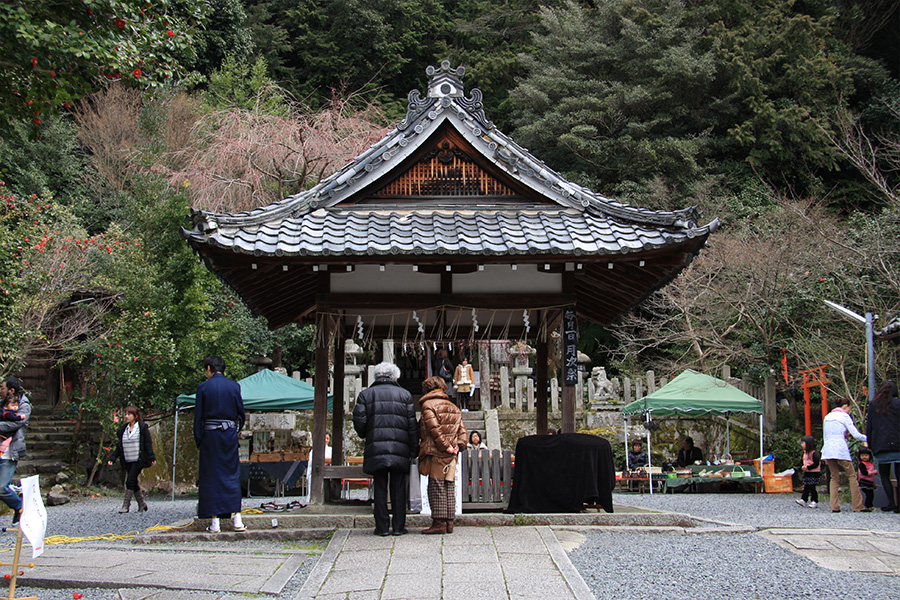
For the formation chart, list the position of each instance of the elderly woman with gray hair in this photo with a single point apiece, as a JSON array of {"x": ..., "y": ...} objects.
[
  {"x": 385, "y": 417},
  {"x": 443, "y": 438}
]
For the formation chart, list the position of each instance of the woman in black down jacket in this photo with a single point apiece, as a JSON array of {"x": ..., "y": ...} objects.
[
  {"x": 883, "y": 432},
  {"x": 385, "y": 417}
]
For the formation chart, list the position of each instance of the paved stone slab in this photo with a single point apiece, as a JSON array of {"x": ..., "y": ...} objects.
[
  {"x": 481, "y": 553},
  {"x": 807, "y": 542},
  {"x": 478, "y": 564},
  {"x": 399, "y": 587},
  {"x": 889, "y": 546},
  {"x": 363, "y": 560},
  {"x": 474, "y": 573},
  {"x": 862, "y": 563},
  {"x": 850, "y": 543},
  {"x": 129, "y": 568},
  {"x": 460, "y": 590},
  {"x": 284, "y": 573},
  {"x": 150, "y": 594}
]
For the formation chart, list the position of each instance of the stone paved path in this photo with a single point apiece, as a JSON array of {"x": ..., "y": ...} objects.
[
  {"x": 843, "y": 549},
  {"x": 516, "y": 563}
]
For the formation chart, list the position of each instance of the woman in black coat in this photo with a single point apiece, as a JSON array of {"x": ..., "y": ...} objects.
[
  {"x": 135, "y": 452},
  {"x": 883, "y": 433}
]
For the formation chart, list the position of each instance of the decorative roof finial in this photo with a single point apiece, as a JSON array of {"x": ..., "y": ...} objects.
[{"x": 445, "y": 81}]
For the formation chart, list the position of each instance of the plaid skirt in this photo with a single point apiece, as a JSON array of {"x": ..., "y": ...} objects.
[
  {"x": 812, "y": 478},
  {"x": 442, "y": 498}
]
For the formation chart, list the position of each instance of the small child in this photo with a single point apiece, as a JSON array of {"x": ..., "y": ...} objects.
[
  {"x": 866, "y": 470},
  {"x": 812, "y": 470},
  {"x": 9, "y": 412}
]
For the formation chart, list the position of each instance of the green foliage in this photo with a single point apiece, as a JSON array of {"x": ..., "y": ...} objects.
[
  {"x": 224, "y": 36},
  {"x": 783, "y": 72},
  {"x": 352, "y": 44},
  {"x": 54, "y": 53},
  {"x": 50, "y": 163},
  {"x": 626, "y": 91},
  {"x": 237, "y": 84},
  {"x": 785, "y": 447}
]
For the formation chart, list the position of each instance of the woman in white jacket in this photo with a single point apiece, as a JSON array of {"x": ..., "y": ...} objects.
[{"x": 836, "y": 454}]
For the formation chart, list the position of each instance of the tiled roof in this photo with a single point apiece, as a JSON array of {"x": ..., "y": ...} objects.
[
  {"x": 424, "y": 116},
  {"x": 546, "y": 217},
  {"x": 363, "y": 232}
]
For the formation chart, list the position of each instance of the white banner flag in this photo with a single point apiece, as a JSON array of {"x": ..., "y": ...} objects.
[{"x": 34, "y": 516}]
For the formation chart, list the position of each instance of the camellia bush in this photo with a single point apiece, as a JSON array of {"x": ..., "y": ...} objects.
[{"x": 56, "y": 52}]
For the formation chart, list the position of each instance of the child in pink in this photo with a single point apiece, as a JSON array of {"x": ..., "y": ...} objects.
[
  {"x": 866, "y": 472},
  {"x": 812, "y": 470}
]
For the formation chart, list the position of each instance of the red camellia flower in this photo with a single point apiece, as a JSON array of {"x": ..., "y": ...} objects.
[
  {"x": 137, "y": 72},
  {"x": 37, "y": 121},
  {"x": 34, "y": 61},
  {"x": 120, "y": 23},
  {"x": 170, "y": 33}
]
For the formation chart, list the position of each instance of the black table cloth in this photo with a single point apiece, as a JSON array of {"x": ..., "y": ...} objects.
[{"x": 562, "y": 473}]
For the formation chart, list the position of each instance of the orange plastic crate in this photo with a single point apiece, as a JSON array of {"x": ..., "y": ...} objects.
[
  {"x": 778, "y": 485},
  {"x": 768, "y": 467}
]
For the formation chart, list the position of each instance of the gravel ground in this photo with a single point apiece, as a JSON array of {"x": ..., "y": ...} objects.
[
  {"x": 91, "y": 517},
  {"x": 763, "y": 510},
  {"x": 629, "y": 566}
]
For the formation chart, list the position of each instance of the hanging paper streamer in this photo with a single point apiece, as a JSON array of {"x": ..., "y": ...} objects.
[
  {"x": 475, "y": 320},
  {"x": 527, "y": 322},
  {"x": 417, "y": 320},
  {"x": 359, "y": 327}
]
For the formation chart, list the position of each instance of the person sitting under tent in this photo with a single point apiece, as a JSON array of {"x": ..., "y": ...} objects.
[
  {"x": 689, "y": 454},
  {"x": 637, "y": 458}
]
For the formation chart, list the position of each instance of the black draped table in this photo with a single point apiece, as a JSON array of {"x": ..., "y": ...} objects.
[{"x": 562, "y": 473}]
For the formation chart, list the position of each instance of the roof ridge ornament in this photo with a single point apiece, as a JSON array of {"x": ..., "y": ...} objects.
[
  {"x": 446, "y": 82},
  {"x": 445, "y": 87}
]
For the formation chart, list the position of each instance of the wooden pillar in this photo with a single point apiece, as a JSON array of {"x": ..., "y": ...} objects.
[
  {"x": 540, "y": 407},
  {"x": 320, "y": 408},
  {"x": 337, "y": 414},
  {"x": 568, "y": 409}
]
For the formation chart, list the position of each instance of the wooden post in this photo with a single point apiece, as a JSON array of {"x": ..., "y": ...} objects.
[
  {"x": 540, "y": 406},
  {"x": 337, "y": 414},
  {"x": 320, "y": 409}
]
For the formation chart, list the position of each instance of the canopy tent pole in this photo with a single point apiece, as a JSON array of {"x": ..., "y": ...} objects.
[
  {"x": 627, "y": 465},
  {"x": 760, "y": 440},
  {"x": 727, "y": 434},
  {"x": 649, "y": 455},
  {"x": 174, "y": 453}
]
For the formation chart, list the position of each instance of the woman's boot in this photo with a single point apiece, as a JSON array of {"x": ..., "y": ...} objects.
[
  {"x": 437, "y": 526},
  {"x": 142, "y": 506},
  {"x": 449, "y": 525},
  {"x": 126, "y": 506}
]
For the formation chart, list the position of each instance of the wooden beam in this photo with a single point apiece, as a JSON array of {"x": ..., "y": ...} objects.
[{"x": 517, "y": 301}]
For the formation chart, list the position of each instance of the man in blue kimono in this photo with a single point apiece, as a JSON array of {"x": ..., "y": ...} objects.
[{"x": 218, "y": 417}]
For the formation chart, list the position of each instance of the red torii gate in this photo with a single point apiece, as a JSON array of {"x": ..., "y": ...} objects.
[{"x": 813, "y": 377}]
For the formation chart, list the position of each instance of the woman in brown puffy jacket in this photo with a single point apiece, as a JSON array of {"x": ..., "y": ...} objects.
[{"x": 443, "y": 438}]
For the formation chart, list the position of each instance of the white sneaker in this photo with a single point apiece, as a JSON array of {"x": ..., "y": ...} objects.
[
  {"x": 800, "y": 502},
  {"x": 812, "y": 504}
]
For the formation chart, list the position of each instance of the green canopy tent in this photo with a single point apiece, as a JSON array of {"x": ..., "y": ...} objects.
[
  {"x": 266, "y": 391},
  {"x": 694, "y": 394}
]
